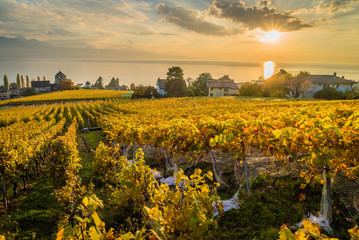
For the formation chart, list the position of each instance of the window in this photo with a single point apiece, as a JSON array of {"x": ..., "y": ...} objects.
[
  {"x": 211, "y": 95},
  {"x": 226, "y": 90},
  {"x": 220, "y": 88},
  {"x": 220, "y": 94}
]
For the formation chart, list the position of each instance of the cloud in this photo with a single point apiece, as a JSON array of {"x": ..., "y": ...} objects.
[
  {"x": 336, "y": 6},
  {"x": 263, "y": 16},
  {"x": 91, "y": 22},
  {"x": 192, "y": 20}
]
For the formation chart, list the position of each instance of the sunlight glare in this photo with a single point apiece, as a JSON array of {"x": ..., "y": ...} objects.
[
  {"x": 268, "y": 37},
  {"x": 272, "y": 36},
  {"x": 268, "y": 69}
]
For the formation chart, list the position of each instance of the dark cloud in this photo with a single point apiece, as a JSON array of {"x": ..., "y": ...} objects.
[
  {"x": 336, "y": 6},
  {"x": 263, "y": 16},
  {"x": 192, "y": 20}
]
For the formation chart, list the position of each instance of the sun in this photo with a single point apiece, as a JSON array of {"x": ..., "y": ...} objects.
[
  {"x": 268, "y": 37},
  {"x": 272, "y": 36}
]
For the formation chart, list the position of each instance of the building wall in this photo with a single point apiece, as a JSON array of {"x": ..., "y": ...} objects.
[
  {"x": 221, "y": 92},
  {"x": 44, "y": 89},
  {"x": 161, "y": 91},
  {"x": 317, "y": 87}
]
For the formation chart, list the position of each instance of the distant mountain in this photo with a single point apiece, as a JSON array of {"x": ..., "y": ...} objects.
[{"x": 18, "y": 48}]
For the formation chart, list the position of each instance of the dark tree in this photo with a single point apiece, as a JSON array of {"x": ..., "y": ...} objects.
[
  {"x": 6, "y": 83},
  {"x": 114, "y": 83},
  {"x": 18, "y": 81},
  {"x": 201, "y": 84},
  {"x": 132, "y": 87},
  {"x": 175, "y": 83},
  {"x": 99, "y": 83},
  {"x": 13, "y": 86}
]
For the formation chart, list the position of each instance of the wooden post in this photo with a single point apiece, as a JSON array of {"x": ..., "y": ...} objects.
[
  {"x": 246, "y": 170},
  {"x": 329, "y": 199},
  {"x": 4, "y": 194}
]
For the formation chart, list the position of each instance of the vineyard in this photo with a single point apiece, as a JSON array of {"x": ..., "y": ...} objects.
[
  {"x": 69, "y": 95},
  {"x": 181, "y": 168}
]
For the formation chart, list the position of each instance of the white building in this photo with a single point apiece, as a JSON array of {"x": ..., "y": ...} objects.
[
  {"x": 161, "y": 87},
  {"x": 222, "y": 87},
  {"x": 319, "y": 82}
]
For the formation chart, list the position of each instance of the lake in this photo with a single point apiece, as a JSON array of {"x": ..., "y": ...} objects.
[{"x": 146, "y": 72}]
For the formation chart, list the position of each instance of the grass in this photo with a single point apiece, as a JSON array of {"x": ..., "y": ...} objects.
[
  {"x": 92, "y": 140},
  {"x": 263, "y": 213},
  {"x": 36, "y": 214}
]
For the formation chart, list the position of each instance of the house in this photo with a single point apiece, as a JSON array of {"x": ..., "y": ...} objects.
[
  {"x": 59, "y": 77},
  {"x": 4, "y": 96},
  {"x": 87, "y": 85},
  {"x": 123, "y": 87},
  {"x": 320, "y": 82},
  {"x": 41, "y": 86},
  {"x": 14, "y": 93},
  {"x": 222, "y": 87},
  {"x": 161, "y": 87}
]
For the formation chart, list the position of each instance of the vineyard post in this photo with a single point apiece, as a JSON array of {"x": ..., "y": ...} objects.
[
  {"x": 246, "y": 169},
  {"x": 329, "y": 199},
  {"x": 3, "y": 186}
]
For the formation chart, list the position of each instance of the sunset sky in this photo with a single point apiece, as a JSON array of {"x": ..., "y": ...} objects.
[{"x": 310, "y": 31}]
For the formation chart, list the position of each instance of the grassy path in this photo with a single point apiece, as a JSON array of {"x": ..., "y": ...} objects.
[{"x": 86, "y": 142}]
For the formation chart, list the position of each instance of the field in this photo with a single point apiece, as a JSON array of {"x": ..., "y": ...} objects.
[
  {"x": 70, "y": 95},
  {"x": 276, "y": 161}
]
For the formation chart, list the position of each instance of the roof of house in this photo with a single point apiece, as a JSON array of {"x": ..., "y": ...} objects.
[
  {"x": 222, "y": 84},
  {"x": 40, "y": 84},
  {"x": 324, "y": 79},
  {"x": 161, "y": 83},
  {"x": 60, "y": 74},
  {"x": 321, "y": 79},
  {"x": 278, "y": 74}
]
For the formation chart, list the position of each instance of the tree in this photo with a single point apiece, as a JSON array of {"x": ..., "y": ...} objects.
[
  {"x": 13, "y": 86},
  {"x": 38, "y": 78},
  {"x": 298, "y": 85},
  {"x": 329, "y": 93},
  {"x": 175, "y": 83},
  {"x": 87, "y": 83},
  {"x": 99, "y": 83},
  {"x": 132, "y": 87},
  {"x": 44, "y": 78},
  {"x": 276, "y": 86},
  {"x": 251, "y": 89},
  {"x": 28, "y": 82},
  {"x": 18, "y": 81},
  {"x": 22, "y": 81},
  {"x": 114, "y": 83},
  {"x": 201, "y": 83},
  {"x": 29, "y": 92},
  {"x": 67, "y": 84},
  {"x": 6, "y": 83}
]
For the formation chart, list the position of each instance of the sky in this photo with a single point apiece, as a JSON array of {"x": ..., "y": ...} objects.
[{"x": 310, "y": 31}]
